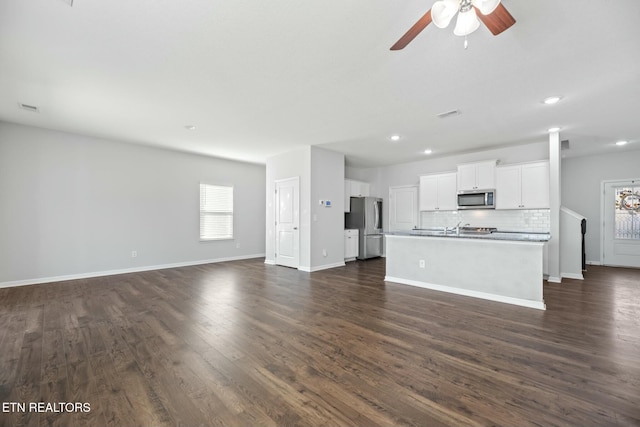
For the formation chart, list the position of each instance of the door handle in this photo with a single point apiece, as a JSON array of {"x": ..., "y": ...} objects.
[{"x": 295, "y": 228}]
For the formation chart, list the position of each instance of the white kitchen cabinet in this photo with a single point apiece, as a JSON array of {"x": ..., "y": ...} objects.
[
  {"x": 523, "y": 186},
  {"x": 535, "y": 185},
  {"x": 438, "y": 192},
  {"x": 350, "y": 244},
  {"x": 359, "y": 188},
  {"x": 477, "y": 176},
  {"x": 508, "y": 188},
  {"x": 353, "y": 188}
]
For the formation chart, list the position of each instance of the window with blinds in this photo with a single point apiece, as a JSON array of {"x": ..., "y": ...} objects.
[{"x": 216, "y": 212}]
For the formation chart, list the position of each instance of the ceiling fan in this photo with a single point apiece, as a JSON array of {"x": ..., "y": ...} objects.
[{"x": 491, "y": 12}]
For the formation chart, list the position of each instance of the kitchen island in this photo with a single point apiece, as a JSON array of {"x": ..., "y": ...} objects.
[{"x": 504, "y": 267}]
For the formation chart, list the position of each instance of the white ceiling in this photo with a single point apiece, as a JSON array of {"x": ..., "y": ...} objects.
[{"x": 259, "y": 78}]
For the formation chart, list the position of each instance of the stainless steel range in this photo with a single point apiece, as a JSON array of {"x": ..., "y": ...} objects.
[{"x": 478, "y": 230}]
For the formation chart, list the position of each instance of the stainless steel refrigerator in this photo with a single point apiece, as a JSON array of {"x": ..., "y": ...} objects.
[{"x": 366, "y": 216}]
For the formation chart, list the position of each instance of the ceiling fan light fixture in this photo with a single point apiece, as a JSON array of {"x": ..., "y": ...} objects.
[
  {"x": 466, "y": 23},
  {"x": 492, "y": 13},
  {"x": 486, "y": 6},
  {"x": 443, "y": 12},
  {"x": 621, "y": 143}
]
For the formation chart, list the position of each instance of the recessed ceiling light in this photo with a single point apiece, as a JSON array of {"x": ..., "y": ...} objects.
[
  {"x": 552, "y": 130},
  {"x": 394, "y": 138},
  {"x": 428, "y": 151},
  {"x": 190, "y": 127},
  {"x": 551, "y": 100},
  {"x": 621, "y": 142}
]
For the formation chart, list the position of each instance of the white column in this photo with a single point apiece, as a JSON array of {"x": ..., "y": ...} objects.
[{"x": 554, "y": 205}]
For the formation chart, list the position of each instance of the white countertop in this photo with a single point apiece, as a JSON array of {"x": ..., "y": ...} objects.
[{"x": 496, "y": 235}]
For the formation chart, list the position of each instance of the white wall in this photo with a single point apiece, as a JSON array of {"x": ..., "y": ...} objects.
[
  {"x": 581, "y": 189},
  {"x": 295, "y": 163},
  {"x": 321, "y": 174},
  {"x": 327, "y": 226},
  {"x": 76, "y": 205},
  {"x": 555, "y": 202}
]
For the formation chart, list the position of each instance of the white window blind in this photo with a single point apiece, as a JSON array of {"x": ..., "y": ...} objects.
[{"x": 216, "y": 212}]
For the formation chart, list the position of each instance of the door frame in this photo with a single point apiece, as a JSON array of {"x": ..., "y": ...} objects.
[
  {"x": 603, "y": 189},
  {"x": 295, "y": 179}
]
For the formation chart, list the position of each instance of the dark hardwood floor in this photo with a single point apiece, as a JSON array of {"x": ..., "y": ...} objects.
[{"x": 244, "y": 343}]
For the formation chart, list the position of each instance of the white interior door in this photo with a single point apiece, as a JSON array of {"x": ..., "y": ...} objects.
[
  {"x": 621, "y": 225},
  {"x": 288, "y": 222},
  {"x": 403, "y": 208}
]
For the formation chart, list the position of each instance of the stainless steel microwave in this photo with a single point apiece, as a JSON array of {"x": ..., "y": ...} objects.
[{"x": 477, "y": 199}]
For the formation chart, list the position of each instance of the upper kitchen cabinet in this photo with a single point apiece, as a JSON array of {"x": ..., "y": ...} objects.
[
  {"x": 438, "y": 192},
  {"x": 523, "y": 186},
  {"x": 477, "y": 176},
  {"x": 353, "y": 188},
  {"x": 359, "y": 188}
]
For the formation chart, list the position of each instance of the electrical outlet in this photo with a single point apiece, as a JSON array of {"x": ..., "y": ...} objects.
[
  {"x": 324, "y": 252},
  {"x": 134, "y": 254},
  {"x": 421, "y": 263},
  {"x": 238, "y": 245}
]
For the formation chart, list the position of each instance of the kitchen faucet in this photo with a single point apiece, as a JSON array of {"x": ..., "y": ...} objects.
[{"x": 457, "y": 228}]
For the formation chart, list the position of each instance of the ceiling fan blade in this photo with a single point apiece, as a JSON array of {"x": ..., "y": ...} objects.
[
  {"x": 498, "y": 20},
  {"x": 413, "y": 31}
]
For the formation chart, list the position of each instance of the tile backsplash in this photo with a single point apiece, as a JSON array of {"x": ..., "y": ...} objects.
[{"x": 534, "y": 220}]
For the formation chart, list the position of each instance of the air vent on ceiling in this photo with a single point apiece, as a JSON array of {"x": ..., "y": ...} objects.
[
  {"x": 449, "y": 114},
  {"x": 28, "y": 107},
  {"x": 564, "y": 144}
]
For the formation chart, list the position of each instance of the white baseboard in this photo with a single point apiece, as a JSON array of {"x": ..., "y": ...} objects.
[
  {"x": 270, "y": 262},
  {"x": 322, "y": 267},
  {"x": 593, "y": 262},
  {"x": 459, "y": 291},
  {"x": 554, "y": 279},
  {"x": 572, "y": 276},
  {"x": 40, "y": 280}
]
